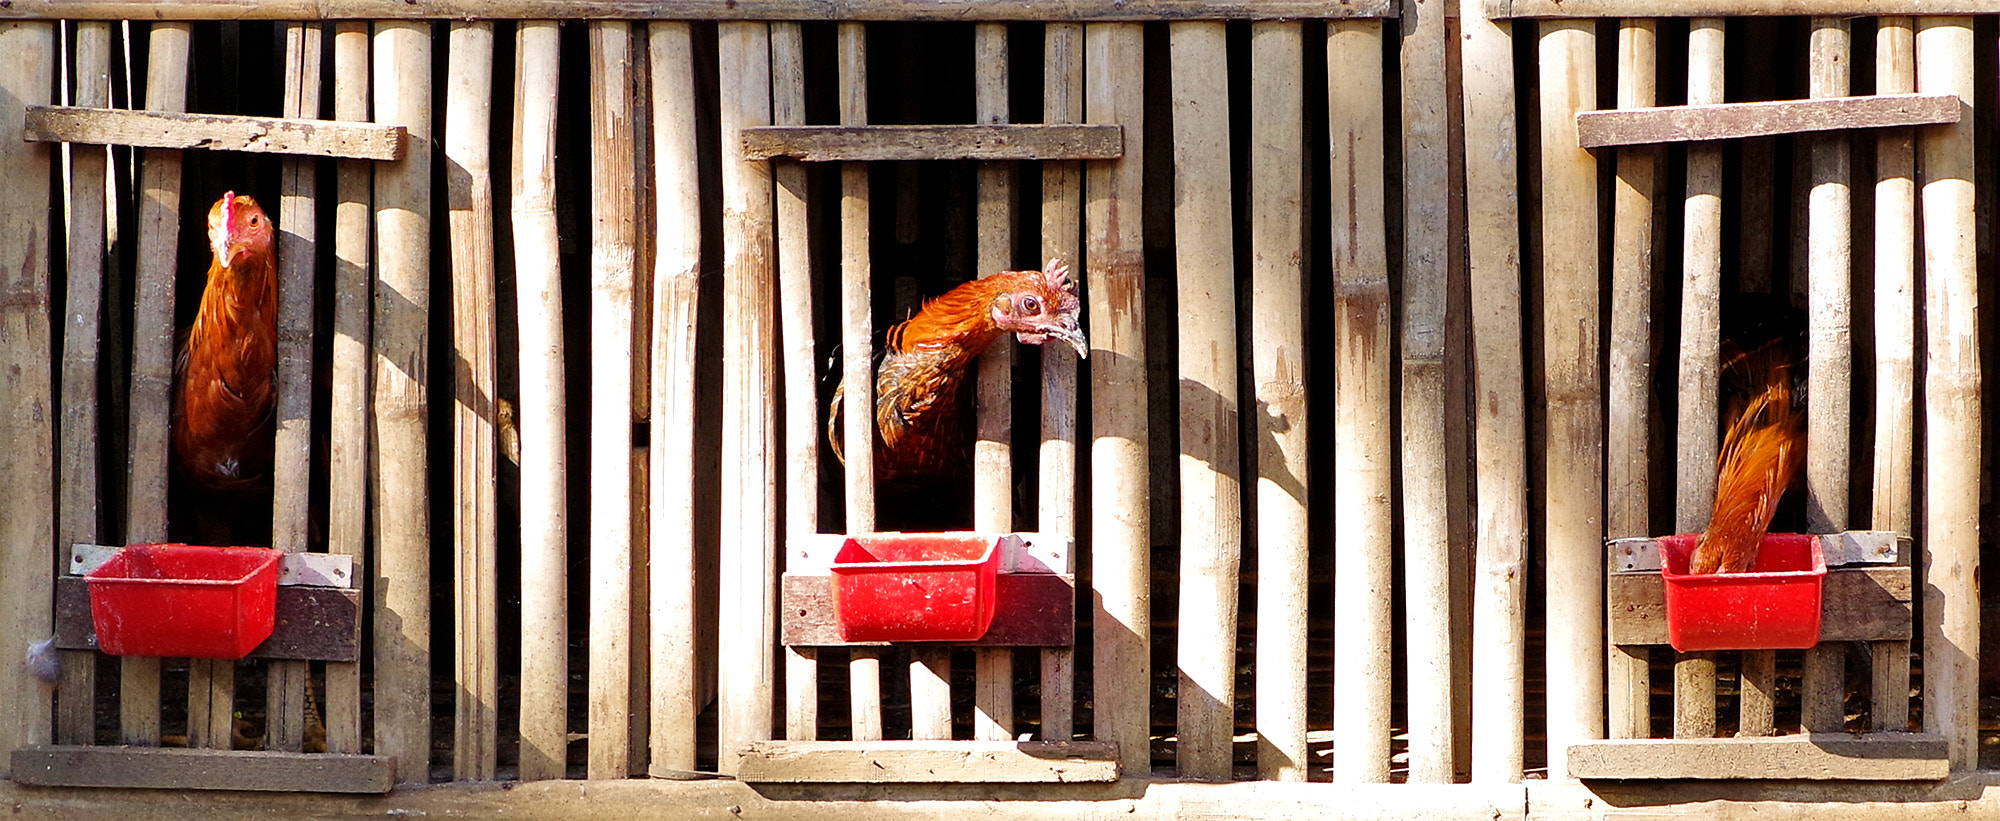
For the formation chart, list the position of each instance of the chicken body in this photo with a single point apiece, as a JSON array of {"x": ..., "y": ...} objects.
[
  {"x": 1760, "y": 454},
  {"x": 222, "y": 407}
]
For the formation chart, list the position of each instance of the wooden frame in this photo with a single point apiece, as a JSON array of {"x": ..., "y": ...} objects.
[{"x": 738, "y": 10}]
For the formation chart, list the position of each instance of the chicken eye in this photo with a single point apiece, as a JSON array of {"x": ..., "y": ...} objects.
[
  {"x": 253, "y": 220},
  {"x": 1031, "y": 305}
]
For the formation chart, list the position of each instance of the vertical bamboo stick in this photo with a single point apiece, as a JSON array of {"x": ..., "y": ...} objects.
[
  {"x": 402, "y": 316},
  {"x": 1629, "y": 418},
  {"x": 1951, "y": 396},
  {"x": 613, "y": 257},
  {"x": 1499, "y": 641},
  {"x": 347, "y": 462},
  {"x": 788, "y": 100},
  {"x": 1895, "y": 344},
  {"x": 1062, "y": 237},
  {"x": 1700, "y": 358},
  {"x": 152, "y": 359},
  {"x": 1211, "y": 521},
  {"x": 469, "y": 200},
  {"x": 544, "y": 519},
  {"x": 78, "y": 481},
  {"x": 1363, "y": 451},
  {"x": 27, "y": 435},
  {"x": 748, "y": 469},
  {"x": 1277, "y": 249},
  {"x": 1575, "y": 428},
  {"x": 857, "y": 360},
  {"x": 993, "y": 453}
]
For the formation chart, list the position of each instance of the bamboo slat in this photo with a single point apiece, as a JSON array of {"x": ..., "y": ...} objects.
[
  {"x": 993, "y": 452},
  {"x": 1062, "y": 238},
  {"x": 1575, "y": 429},
  {"x": 1895, "y": 345},
  {"x": 788, "y": 101},
  {"x": 475, "y": 456},
  {"x": 348, "y": 455},
  {"x": 1120, "y": 520},
  {"x": 1951, "y": 397},
  {"x": 857, "y": 343},
  {"x": 749, "y": 468},
  {"x": 78, "y": 481},
  {"x": 27, "y": 431},
  {"x": 402, "y": 57},
  {"x": 1363, "y": 451},
  {"x": 1699, "y": 418},
  {"x": 544, "y": 518},
  {"x": 723, "y": 10}
]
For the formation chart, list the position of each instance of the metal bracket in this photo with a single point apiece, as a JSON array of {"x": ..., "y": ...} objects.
[{"x": 294, "y": 569}]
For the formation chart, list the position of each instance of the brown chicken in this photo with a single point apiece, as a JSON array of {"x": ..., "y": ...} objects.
[
  {"x": 921, "y": 424},
  {"x": 222, "y": 411},
  {"x": 1760, "y": 454}
]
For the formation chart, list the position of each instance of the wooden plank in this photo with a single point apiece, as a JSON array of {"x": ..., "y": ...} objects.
[
  {"x": 1871, "y": 604},
  {"x": 1727, "y": 121},
  {"x": 1062, "y": 238},
  {"x": 182, "y": 769},
  {"x": 215, "y": 132},
  {"x": 312, "y": 623},
  {"x": 348, "y": 427},
  {"x": 401, "y": 600},
  {"x": 795, "y": 312},
  {"x": 1757, "y": 694},
  {"x": 992, "y": 447},
  {"x": 1120, "y": 513},
  {"x": 1033, "y": 610},
  {"x": 857, "y": 323},
  {"x": 962, "y": 762},
  {"x": 1843, "y": 756},
  {"x": 826, "y": 143},
  {"x": 930, "y": 693},
  {"x": 1895, "y": 347},
  {"x": 725, "y": 10},
  {"x": 1731, "y": 8}
]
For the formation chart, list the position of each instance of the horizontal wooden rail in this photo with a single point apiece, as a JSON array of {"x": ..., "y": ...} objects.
[
  {"x": 1843, "y": 756},
  {"x": 220, "y": 132},
  {"x": 918, "y": 10},
  {"x": 1735, "y": 8},
  {"x": 181, "y": 769},
  {"x": 874, "y": 762},
  {"x": 1859, "y": 604},
  {"x": 1688, "y": 123},
  {"x": 823, "y": 143}
]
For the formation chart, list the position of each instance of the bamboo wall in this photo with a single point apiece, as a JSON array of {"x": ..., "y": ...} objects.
[{"x": 558, "y": 378}]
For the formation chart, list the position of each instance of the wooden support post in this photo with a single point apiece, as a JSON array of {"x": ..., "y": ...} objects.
[
  {"x": 348, "y": 454},
  {"x": 802, "y": 436},
  {"x": 1062, "y": 238},
  {"x": 1895, "y": 345},
  {"x": 930, "y": 694},
  {"x": 857, "y": 343},
  {"x": 1699, "y": 423},
  {"x": 402, "y": 318},
  {"x": 1828, "y": 350},
  {"x": 1363, "y": 450},
  {"x": 1575, "y": 426},
  {"x": 993, "y": 451}
]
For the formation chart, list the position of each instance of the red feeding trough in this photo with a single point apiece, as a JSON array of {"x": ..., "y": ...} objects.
[
  {"x": 915, "y": 586},
  {"x": 1775, "y": 606},
  {"x": 181, "y": 600}
]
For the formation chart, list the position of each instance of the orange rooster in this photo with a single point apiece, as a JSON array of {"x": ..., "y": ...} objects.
[
  {"x": 222, "y": 411},
  {"x": 1760, "y": 453},
  {"x": 920, "y": 421}
]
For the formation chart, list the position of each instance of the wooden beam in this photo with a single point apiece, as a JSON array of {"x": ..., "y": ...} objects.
[
  {"x": 183, "y": 769},
  {"x": 1724, "y": 121},
  {"x": 1855, "y": 756},
  {"x": 216, "y": 132},
  {"x": 855, "y": 10},
  {"x": 1860, "y": 604},
  {"x": 1732, "y": 8},
  {"x": 922, "y": 761},
  {"x": 313, "y": 623},
  {"x": 821, "y": 143},
  {"x": 1034, "y": 610}
]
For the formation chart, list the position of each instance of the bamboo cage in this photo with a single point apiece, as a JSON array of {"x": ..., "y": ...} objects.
[{"x": 570, "y": 293}]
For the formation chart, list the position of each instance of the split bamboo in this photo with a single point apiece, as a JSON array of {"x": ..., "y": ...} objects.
[
  {"x": 347, "y": 458},
  {"x": 857, "y": 343},
  {"x": 1062, "y": 236},
  {"x": 1699, "y": 421},
  {"x": 788, "y": 101},
  {"x": 1829, "y": 351},
  {"x": 1895, "y": 345},
  {"x": 993, "y": 452}
]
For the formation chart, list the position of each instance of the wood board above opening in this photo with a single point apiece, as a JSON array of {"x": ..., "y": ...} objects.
[{"x": 825, "y": 143}]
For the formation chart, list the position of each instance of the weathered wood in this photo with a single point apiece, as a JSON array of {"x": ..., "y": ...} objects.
[
  {"x": 215, "y": 132},
  {"x": 1861, "y": 757},
  {"x": 1034, "y": 610},
  {"x": 825, "y": 143},
  {"x": 1731, "y": 8},
  {"x": 857, "y": 324},
  {"x": 799, "y": 359},
  {"x": 178, "y": 769},
  {"x": 312, "y": 623},
  {"x": 962, "y": 762},
  {"x": 1895, "y": 347},
  {"x": 726, "y": 10},
  {"x": 348, "y": 427},
  {"x": 1858, "y": 604},
  {"x": 930, "y": 693},
  {"x": 1724, "y": 121},
  {"x": 1062, "y": 238},
  {"x": 544, "y": 515},
  {"x": 992, "y": 447},
  {"x": 1756, "y": 694}
]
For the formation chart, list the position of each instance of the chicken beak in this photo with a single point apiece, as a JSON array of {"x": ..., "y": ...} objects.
[{"x": 1074, "y": 336}]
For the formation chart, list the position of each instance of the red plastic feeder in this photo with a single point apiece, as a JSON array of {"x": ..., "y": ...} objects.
[
  {"x": 1774, "y": 606},
  {"x": 915, "y": 586},
  {"x": 181, "y": 600}
]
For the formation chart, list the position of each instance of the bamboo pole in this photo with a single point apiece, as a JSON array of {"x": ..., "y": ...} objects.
[
  {"x": 993, "y": 452},
  {"x": 1363, "y": 451},
  {"x": 1951, "y": 397},
  {"x": 402, "y": 317},
  {"x": 1211, "y": 521},
  {"x": 475, "y": 459},
  {"x": 1493, "y": 214},
  {"x": 152, "y": 360},
  {"x": 1895, "y": 344},
  {"x": 749, "y": 472},
  {"x": 613, "y": 260},
  {"x": 78, "y": 481},
  {"x": 1277, "y": 260},
  {"x": 1575, "y": 427},
  {"x": 788, "y": 100},
  {"x": 27, "y": 434},
  {"x": 857, "y": 341},
  {"x": 1700, "y": 359},
  {"x": 1062, "y": 237},
  {"x": 930, "y": 694},
  {"x": 544, "y": 518},
  {"x": 1120, "y": 513},
  {"x": 1828, "y": 349},
  {"x": 1628, "y": 426},
  {"x": 348, "y": 454}
]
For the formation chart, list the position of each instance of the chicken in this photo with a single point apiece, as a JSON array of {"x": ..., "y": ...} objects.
[
  {"x": 921, "y": 423},
  {"x": 222, "y": 406},
  {"x": 1760, "y": 453}
]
